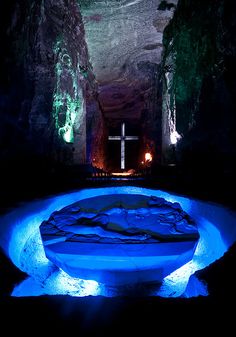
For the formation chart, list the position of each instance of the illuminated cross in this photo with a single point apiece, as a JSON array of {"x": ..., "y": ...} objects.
[{"x": 122, "y": 139}]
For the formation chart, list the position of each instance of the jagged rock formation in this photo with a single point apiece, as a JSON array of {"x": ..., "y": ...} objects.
[
  {"x": 47, "y": 87},
  {"x": 50, "y": 100},
  {"x": 199, "y": 89}
]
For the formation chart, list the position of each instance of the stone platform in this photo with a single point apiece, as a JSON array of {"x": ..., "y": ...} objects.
[{"x": 120, "y": 239}]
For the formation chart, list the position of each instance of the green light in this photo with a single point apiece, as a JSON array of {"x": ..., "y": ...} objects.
[
  {"x": 68, "y": 135},
  {"x": 67, "y": 107}
]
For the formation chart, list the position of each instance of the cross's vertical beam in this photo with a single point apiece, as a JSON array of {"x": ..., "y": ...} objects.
[
  {"x": 122, "y": 139},
  {"x": 122, "y": 147}
]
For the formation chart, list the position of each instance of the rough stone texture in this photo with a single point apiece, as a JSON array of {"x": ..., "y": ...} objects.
[
  {"x": 97, "y": 134},
  {"x": 48, "y": 92},
  {"x": 47, "y": 83},
  {"x": 126, "y": 217},
  {"x": 125, "y": 45},
  {"x": 120, "y": 239},
  {"x": 219, "y": 276},
  {"x": 199, "y": 59}
]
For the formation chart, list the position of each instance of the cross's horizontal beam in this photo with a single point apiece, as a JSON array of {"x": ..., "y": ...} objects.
[
  {"x": 122, "y": 138},
  {"x": 114, "y": 138},
  {"x": 131, "y": 138}
]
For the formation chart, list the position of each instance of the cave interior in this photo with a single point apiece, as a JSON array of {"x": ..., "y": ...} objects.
[{"x": 75, "y": 73}]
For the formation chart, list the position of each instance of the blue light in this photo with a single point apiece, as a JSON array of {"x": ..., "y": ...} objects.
[
  {"x": 205, "y": 254},
  {"x": 20, "y": 239},
  {"x": 57, "y": 283}
]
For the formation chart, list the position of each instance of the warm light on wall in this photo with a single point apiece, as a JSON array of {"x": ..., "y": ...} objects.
[{"x": 148, "y": 157}]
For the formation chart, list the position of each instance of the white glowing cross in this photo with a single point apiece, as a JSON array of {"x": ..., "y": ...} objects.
[{"x": 122, "y": 140}]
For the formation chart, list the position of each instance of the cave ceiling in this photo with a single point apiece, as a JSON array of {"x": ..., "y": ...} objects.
[{"x": 124, "y": 39}]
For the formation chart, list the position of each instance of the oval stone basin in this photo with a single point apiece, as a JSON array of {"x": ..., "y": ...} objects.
[{"x": 120, "y": 239}]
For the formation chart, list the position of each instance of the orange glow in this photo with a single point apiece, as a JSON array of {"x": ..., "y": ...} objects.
[
  {"x": 121, "y": 173},
  {"x": 148, "y": 156}
]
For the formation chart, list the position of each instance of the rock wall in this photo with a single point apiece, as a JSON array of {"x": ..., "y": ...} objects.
[
  {"x": 47, "y": 84},
  {"x": 97, "y": 134},
  {"x": 199, "y": 88}
]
